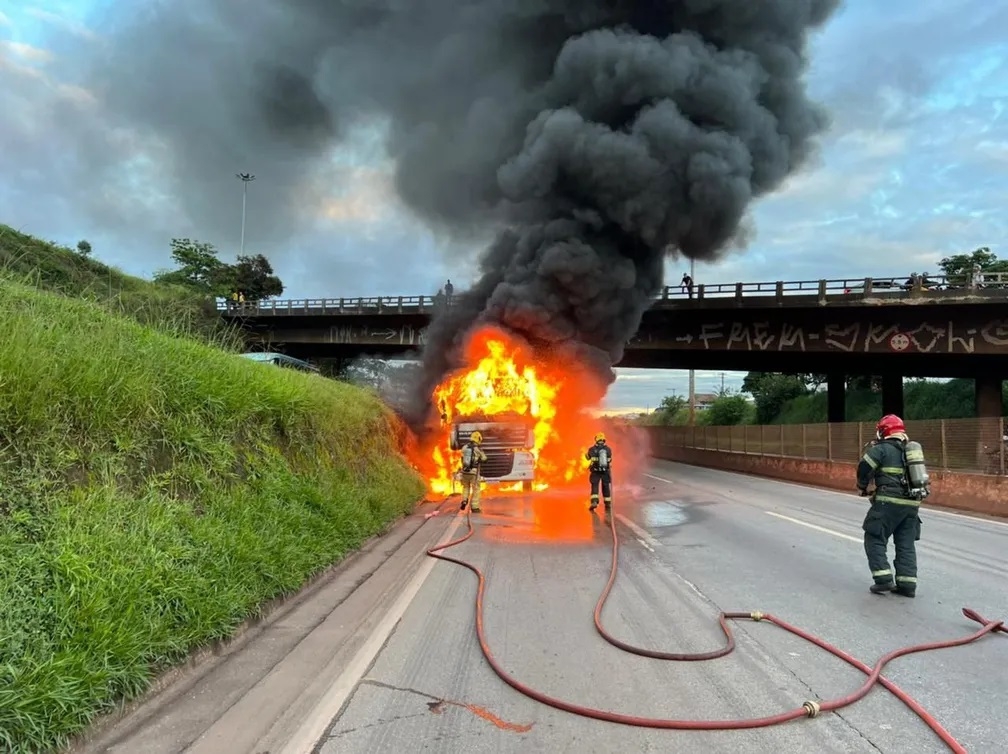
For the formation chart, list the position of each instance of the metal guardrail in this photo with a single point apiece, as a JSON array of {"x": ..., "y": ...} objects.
[{"x": 823, "y": 290}]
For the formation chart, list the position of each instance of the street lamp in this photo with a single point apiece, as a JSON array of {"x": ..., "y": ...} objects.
[
  {"x": 246, "y": 179},
  {"x": 692, "y": 376}
]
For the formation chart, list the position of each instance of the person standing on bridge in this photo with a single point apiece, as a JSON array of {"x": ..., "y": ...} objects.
[
  {"x": 894, "y": 508},
  {"x": 449, "y": 291},
  {"x": 472, "y": 457},
  {"x": 599, "y": 456}
]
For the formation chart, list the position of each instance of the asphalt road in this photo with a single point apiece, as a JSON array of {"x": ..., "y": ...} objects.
[{"x": 695, "y": 541}]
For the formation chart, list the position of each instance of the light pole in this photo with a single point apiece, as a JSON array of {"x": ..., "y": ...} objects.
[
  {"x": 246, "y": 179},
  {"x": 692, "y": 376}
]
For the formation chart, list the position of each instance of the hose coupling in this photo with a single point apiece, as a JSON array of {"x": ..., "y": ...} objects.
[
  {"x": 756, "y": 615},
  {"x": 812, "y": 708}
]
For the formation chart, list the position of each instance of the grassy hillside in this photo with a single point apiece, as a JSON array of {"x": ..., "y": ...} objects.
[
  {"x": 154, "y": 491},
  {"x": 47, "y": 266}
]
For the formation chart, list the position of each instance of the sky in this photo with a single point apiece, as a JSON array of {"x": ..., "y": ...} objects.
[{"x": 914, "y": 166}]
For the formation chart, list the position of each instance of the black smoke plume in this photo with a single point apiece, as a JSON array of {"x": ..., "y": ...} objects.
[
  {"x": 639, "y": 129},
  {"x": 589, "y": 138}
]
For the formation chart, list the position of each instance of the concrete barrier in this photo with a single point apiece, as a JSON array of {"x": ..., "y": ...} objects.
[{"x": 976, "y": 493}]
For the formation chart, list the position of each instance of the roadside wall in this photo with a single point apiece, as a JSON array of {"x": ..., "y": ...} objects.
[{"x": 968, "y": 491}]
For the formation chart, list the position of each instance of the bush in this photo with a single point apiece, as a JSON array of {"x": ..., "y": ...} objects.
[{"x": 153, "y": 492}]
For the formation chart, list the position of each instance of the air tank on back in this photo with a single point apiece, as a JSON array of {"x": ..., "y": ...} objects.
[{"x": 917, "y": 475}]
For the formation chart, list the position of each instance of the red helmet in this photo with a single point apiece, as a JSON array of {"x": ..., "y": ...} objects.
[{"x": 888, "y": 425}]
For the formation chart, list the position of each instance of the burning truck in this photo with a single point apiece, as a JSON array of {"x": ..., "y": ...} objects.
[
  {"x": 509, "y": 444},
  {"x": 529, "y": 411}
]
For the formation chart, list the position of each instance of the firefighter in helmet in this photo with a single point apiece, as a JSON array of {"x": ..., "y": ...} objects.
[
  {"x": 472, "y": 457},
  {"x": 894, "y": 507},
  {"x": 600, "y": 471}
]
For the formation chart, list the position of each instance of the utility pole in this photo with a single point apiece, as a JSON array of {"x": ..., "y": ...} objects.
[
  {"x": 722, "y": 383},
  {"x": 246, "y": 179},
  {"x": 692, "y": 377}
]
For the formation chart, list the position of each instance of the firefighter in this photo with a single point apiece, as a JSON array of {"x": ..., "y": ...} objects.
[
  {"x": 472, "y": 457},
  {"x": 600, "y": 471},
  {"x": 895, "y": 505}
]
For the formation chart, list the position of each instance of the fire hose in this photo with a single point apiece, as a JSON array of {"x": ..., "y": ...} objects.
[{"x": 810, "y": 708}]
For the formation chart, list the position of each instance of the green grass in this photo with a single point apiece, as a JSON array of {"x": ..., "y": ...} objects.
[
  {"x": 49, "y": 266},
  {"x": 154, "y": 491}
]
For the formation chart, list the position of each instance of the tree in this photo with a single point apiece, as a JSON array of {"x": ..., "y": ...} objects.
[
  {"x": 84, "y": 248},
  {"x": 727, "y": 410},
  {"x": 668, "y": 409},
  {"x": 198, "y": 266},
  {"x": 771, "y": 390},
  {"x": 254, "y": 277},
  {"x": 958, "y": 267}
]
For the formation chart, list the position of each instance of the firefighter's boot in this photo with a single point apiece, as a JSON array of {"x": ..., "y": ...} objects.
[
  {"x": 593, "y": 504},
  {"x": 882, "y": 587},
  {"x": 465, "y": 502}
]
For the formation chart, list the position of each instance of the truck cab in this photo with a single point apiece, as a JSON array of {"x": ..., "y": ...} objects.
[{"x": 508, "y": 444}]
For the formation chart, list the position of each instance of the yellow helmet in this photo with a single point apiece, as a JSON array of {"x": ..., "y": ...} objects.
[
  {"x": 600, "y": 437},
  {"x": 476, "y": 437}
]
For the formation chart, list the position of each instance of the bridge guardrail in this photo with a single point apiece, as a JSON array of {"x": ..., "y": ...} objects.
[
  {"x": 977, "y": 445},
  {"x": 826, "y": 289}
]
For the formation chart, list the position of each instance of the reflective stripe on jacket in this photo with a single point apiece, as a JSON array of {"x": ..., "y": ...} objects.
[{"x": 883, "y": 463}]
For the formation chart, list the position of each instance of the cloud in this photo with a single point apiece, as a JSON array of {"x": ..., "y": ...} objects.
[{"x": 63, "y": 23}]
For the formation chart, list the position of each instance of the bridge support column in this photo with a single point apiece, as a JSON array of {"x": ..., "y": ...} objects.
[
  {"x": 836, "y": 398},
  {"x": 892, "y": 394},
  {"x": 988, "y": 408},
  {"x": 988, "y": 397}
]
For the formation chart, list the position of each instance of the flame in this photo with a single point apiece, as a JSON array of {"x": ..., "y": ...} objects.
[{"x": 504, "y": 380}]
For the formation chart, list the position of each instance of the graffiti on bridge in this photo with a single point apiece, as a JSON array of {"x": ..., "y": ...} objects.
[
  {"x": 893, "y": 338},
  {"x": 915, "y": 337},
  {"x": 403, "y": 336}
]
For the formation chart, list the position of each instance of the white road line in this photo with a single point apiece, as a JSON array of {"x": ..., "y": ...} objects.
[
  {"x": 642, "y": 534},
  {"x": 814, "y": 526},
  {"x": 963, "y": 517},
  {"x": 645, "y": 544},
  {"x": 660, "y": 478},
  {"x": 336, "y": 695}
]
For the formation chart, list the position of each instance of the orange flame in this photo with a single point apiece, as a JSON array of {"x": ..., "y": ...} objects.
[{"x": 505, "y": 381}]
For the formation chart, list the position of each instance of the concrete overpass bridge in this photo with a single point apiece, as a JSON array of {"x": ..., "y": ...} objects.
[{"x": 872, "y": 326}]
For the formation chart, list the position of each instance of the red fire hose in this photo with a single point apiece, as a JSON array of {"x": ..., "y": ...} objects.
[{"x": 810, "y": 708}]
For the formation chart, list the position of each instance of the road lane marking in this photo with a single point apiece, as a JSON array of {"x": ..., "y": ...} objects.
[
  {"x": 642, "y": 534},
  {"x": 962, "y": 517},
  {"x": 659, "y": 478},
  {"x": 645, "y": 544},
  {"x": 315, "y": 725},
  {"x": 823, "y": 529}
]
